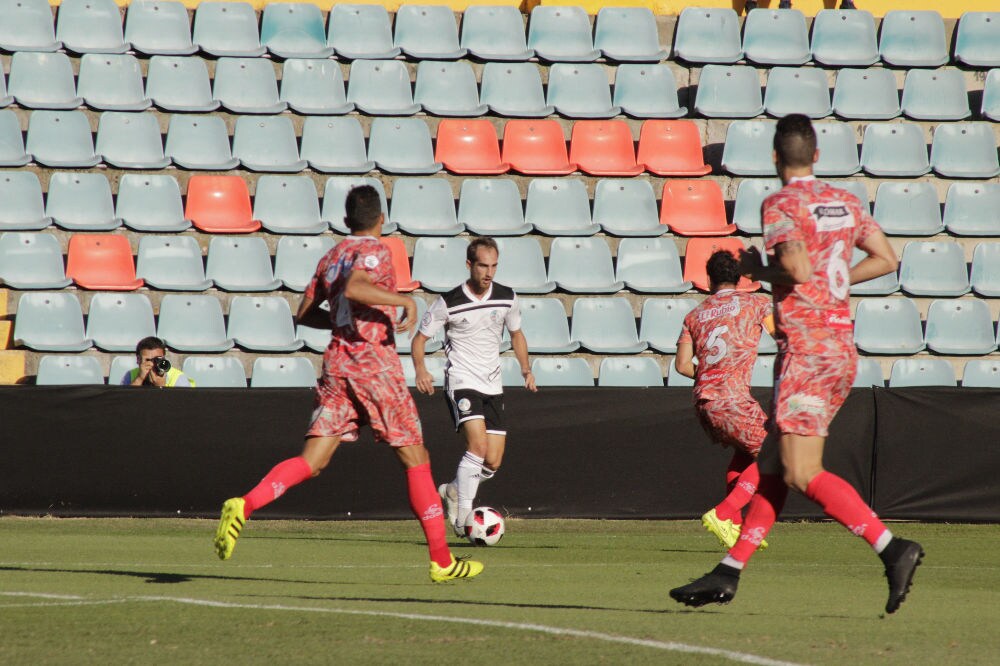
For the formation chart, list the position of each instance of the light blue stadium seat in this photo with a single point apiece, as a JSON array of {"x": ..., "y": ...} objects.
[
  {"x": 628, "y": 34},
  {"x": 81, "y": 202},
  {"x": 869, "y": 374},
  {"x": 888, "y": 326},
  {"x": 282, "y": 372},
  {"x": 403, "y": 340},
  {"x": 61, "y": 139},
  {"x": 112, "y": 83},
  {"x": 938, "y": 94},
  {"x": 199, "y": 142},
  {"x": 247, "y": 85},
  {"x": 880, "y": 286},
  {"x": 492, "y": 207},
  {"x": 27, "y": 26},
  {"x": 227, "y": 29},
  {"x": 262, "y": 323},
  {"x": 844, "y": 38},
  {"x": 766, "y": 344},
  {"x": 424, "y": 207},
  {"x": 130, "y": 141},
  {"x": 334, "y": 194},
  {"x": 991, "y": 96},
  {"x": 121, "y": 366},
  {"x": 857, "y": 188},
  {"x": 676, "y": 379},
  {"x": 838, "y": 150},
  {"x": 23, "y": 207},
  {"x": 240, "y": 264},
  {"x": 335, "y": 145},
  {"x": 316, "y": 339},
  {"x": 510, "y": 372},
  {"x": 582, "y": 265},
  {"x": 361, "y": 31},
  {"x": 776, "y": 37},
  {"x": 637, "y": 371},
  {"x": 981, "y": 373},
  {"x": 159, "y": 27},
  {"x": 381, "y": 88},
  {"x": 933, "y": 268},
  {"x": 750, "y": 197},
  {"x": 402, "y": 145},
  {"x": 448, "y": 89},
  {"x": 150, "y": 203},
  {"x": 866, "y": 94},
  {"x": 605, "y": 325},
  {"x": 729, "y": 91},
  {"x": 708, "y": 35},
  {"x": 495, "y": 33},
  {"x": 748, "y": 148},
  {"x": 651, "y": 266},
  {"x": 50, "y": 321},
  {"x": 913, "y": 39},
  {"x": 647, "y": 91},
  {"x": 894, "y": 150},
  {"x": 559, "y": 207},
  {"x": 42, "y": 81},
  {"x": 90, "y": 26},
  {"x": 175, "y": 83},
  {"x": 435, "y": 366},
  {"x": 69, "y": 370},
  {"x": 294, "y": 30},
  {"x": 627, "y": 207},
  {"x": 427, "y": 32},
  {"x": 522, "y": 266},
  {"x": 116, "y": 322},
  {"x": 574, "y": 372},
  {"x": 977, "y": 39},
  {"x": 267, "y": 144},
  {"x": 965, "y": 150},
  {"x": 909, "y": 372},
  {"x": 171, "y": 263},
  {"x": 192, "y": 323},
  {"x": 32, "y": 261},
  {"x": 439, "y": 262},
  {"x": 314, "y": 86},
  {"x": 214, "y": 371},
  {"x": 580, "y": 90},
  {"x": 763, "y": 372},
  {"x": 514, "y": 89},
  {"x": 908, "y": 209},
  {"x": 544, "y": 323},
  {"x": 11, "y": 141},
  {"x": 797, "y": 90},
  {"x": 288, "y": 205},
  {"x": 561, "y": 34},
  {"x": 295, "y": 259},
  {"x": 973, "y": 209},
  {"x": 960, "y": 326},
  {"x": 985, "y": 278}
]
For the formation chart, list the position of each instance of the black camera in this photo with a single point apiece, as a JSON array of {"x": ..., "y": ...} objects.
[{"x": 161, "y": 365}]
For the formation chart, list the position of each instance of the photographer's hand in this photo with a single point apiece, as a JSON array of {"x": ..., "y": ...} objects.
[
  {"x": 145, "y": 370},
  {"x": 157, "y": 380}
]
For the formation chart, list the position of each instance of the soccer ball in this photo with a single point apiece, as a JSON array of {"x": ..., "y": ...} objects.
[{"x": 484, "y": 526}]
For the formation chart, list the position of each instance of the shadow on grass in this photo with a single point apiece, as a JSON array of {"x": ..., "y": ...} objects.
[
  {"x": 376, "y": 540},
  {"x": 158, "y": 577}
]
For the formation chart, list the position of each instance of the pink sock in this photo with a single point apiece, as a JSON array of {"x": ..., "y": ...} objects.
[
  {"x": 282, "y": 476},
  {"x": 739, "y": 496},
  {"x": 765, "y": 506},
  {"x": 426, "y": 505},
  {"x": 841, "y": 502}
]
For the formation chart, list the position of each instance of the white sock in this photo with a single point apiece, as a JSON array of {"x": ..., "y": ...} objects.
[
  {"x": 486, "y": 474},
  {"x": 467, "y": 479},
  {"x": 882, "y": 541},
  {"x": 730, "y": 561}
]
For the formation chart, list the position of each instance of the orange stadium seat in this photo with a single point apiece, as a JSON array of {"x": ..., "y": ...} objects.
[
  {"x": 101, "y": 261},
  {"x": 697, "y": 253},
  {"x": 469, "y": 146},
  {"x": 220, "y": 204},
  {"x": 536, "y": 147},
  {"x": 604, "y": 148},
  {"x": 694, "y": 208},
  {"x": 671, "y": 148},
  {"x": 400, "y": 264}
]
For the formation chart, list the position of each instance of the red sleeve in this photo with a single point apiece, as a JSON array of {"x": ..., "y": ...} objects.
[
  {"x": 866, "y": 225},
  {"x": 780, "y": 219}
]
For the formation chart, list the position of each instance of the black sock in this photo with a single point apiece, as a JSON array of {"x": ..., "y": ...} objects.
[{"x": 726, "y": 570}]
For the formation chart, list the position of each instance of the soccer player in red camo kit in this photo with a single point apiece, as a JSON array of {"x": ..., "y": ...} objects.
[
  {"x": 811, "y": 228},
  {"x": 362, "y": 383}
]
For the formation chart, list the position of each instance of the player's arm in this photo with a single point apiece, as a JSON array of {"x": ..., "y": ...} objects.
[
  {"x": 684, "y": 361},
  {"x": 791, "y": 264},
  {"x": 361, "y": 289},
  {"x": 311, "y": 314},
  {"x": 418, "y": 346},
  {"x": 520, "y": 346},
  {"x": 881, "y": 258}
]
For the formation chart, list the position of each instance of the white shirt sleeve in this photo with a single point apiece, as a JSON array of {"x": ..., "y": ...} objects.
[
  {"x": 513, "y": 318},
  {"x": 434, "y": 319}
]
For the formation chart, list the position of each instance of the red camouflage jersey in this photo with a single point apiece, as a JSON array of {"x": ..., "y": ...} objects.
[
  {"x": 724, "y": 331},
  {"x": 815, "y": 317}
]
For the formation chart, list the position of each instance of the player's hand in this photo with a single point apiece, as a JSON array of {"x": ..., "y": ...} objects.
[
  {"x": 425, "y": 382},
  {"x": 529, "y": 381},
  {"x": 751, "y": 261},
  {"x": 409, "y": 319}
]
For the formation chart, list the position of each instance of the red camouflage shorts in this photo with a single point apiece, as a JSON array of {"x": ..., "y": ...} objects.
[
  {"x": 739, "y": 423},
  {"x": 809, "y": 391}
]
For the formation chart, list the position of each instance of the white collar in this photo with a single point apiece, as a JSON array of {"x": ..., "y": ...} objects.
[
  {"x": 802, "y": 179},
  {"x": 485, "y": 297}
]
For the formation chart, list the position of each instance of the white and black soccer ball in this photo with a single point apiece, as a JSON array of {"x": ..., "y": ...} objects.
[{"x": 484, "y": 526}]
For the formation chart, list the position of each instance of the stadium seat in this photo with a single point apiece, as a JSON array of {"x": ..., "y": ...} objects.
[
  {"x": 220, "y": 205},
  {"x": 240, "y": 264},
  {"x": 676, "y": 379},
  {"x": 61, "y": 139},
  {"x": 866, "y": 94},
  {"x": 439, "y": 263},
  {"x": 857, "y": 188},
  {"x": 981, "y": 373},
  {"x": 908, "y": 209},
  {"x": 316, "y": 339},
  {"x": 27, "y": 26},
  {"x": 130, "y": 141},
  {"x": 361, "y": 31},
  {"x": 650, "y": 266},
  {"x": 247, "y": 85},
  {"x": 728, "y": 91},
  {"x": 580, "y": 90},
  {"x": 561, "y": 34},
  {"x": 750, "y": 197},
  {"x": 294, "y": 30},
  {"x": 888, "y": 326},
  {"x": 961, "y": 327},
  {"x": 908, "y": 372},
  {"x": 913, "y": 39},
  {"x": 510, "y": 372},
  {"x": 797, "y": 90},
  {"x": 748, "y": 148},
  {"x": 694, "y": 208},
  {"x": 112, "y": 83},
  {"x": 697, "y": 253},
  {"x": 23, "y": 208},
  {"x": 559, "y": 208},
  {"x": 708, "y": 35},
  {"x": 991, "y": 96},
  {"x": 637, "y": 371},
  {"x": 965, "y": 150},
  {"x": 403, "y": 340},
  {"x": 838, "y": 150},
  {"x": 381, "y": 88},
  {"x": 762, "y": 374},
  {"x": 603, "y": 148},
  {"x": 973, "y": 209},
  {"x": 894, "y": 150},
  {"x": 101, "y": 262},
  {"x": 427, "y": 32},
  {"x": 179, "y": 84},
  {"x": 582, "y": 266},
  {"x": 468, "y": 146},
  {"x": 267, "y": 144},
  {"x": 288, "y": 205},
  {"x": 435, "y": 365},
  {"x": 671, "y": 148},
  {"x": 402, "y": 145},
  {"x": 227, "y": 29},
  {"x": 90, "y": 26},
  {"x": 605, "y": 325},
  {"x": 985, "y": 278},
  {"x": 776, "y": 37},
  {"x": 766, "y": 344},
  {"x": 869, "y": 374},
  {"x": 334, "y": 145},
  {"x": 977, "y": 39},
  {"x": 282, "y": 372},
  {"x": 81, "y": 202},
  {"x": 31, "y": 261},
  {"x": 514, "y": 89},
  {"x": 880, "y": 286},
  {"x": 262, "y": 323},
  {"x": 424, "y": 207},
  {"x": 11, "y": 141},
  {"x": 661, "y": 322},
  {"x": 159, "y": 27},
  {"x": 573, "y": 372},
  {"x": 150, "y": 203},
  {"x": 544, "y": 323},
  {"x": 335, "y": 194},
  {"x": 50, "y": 321},
  {"x": 492, "y": 207},
  {"x": 199, "y": 142},
  {"x": 626, "y": 207},
  {"x": 69, "y": 370},
  {"x": 937, "y": 94},
  {"x": 115, "y": 322},
  {"x": 295, "y": 259},
  {"x": 495, "y": 33},
  {"x": 536, "y": 147},
  {"x": 192, "y": 323},
  {"x": 171, "y": 263},
  {"x": 214, "y": 371},
  {"x": 628, "y": 34},
  {"x": 448, "y": 89},
  {"x": 933, "y": 268},
  {"x": 522, "y": 266},
  {"x": 844, "y": 38},
  {"x": 314, "y": 86},
  {"x": 647, "y": 91}
]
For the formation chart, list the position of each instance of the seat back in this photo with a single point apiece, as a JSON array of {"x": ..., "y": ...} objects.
[
  {"x": 561, "y": 34},
  {"x": 220, "y": 204},
  {"x": 439, "y": 263},
  {"x": 776, "y": 37},
  {"x": 335, "y": 145},
  {"x": 400, "y": 264},
  {"x": 981, "y": 373},
  {"x": 750, "y": 197},
  {"x": 570, "y": 371},
  {"x": 90, "y": 26},
  {"x": 116, "y": 322},
  {"x": 894, "y": 149},
  {"x": 580, "y": 90},
  {"x": 469, "y": 146},
  {"x": 23, "y": 207},
  {"x": 192, "y": 323},
  {"x": 61, "y": 139},
  {"x": 179, "y": 84},
  {"x": 521, "y": 266},
  {"x": 288, "y": 205},
  {"x": 888, "y": 326},
  {"x": 605, "y": 325},
  {"x": 215, "y": 371},
  {"x": 867, "y": 94},
  {"x": 708, "y": 35},
  {"x": 199, "y": 142},
  {"x": 240, "y": 264},
  {"x": 448, "y": 89},
  {"x": 838, "y": 150},
  {"x": 647, "y": 91},
  {"x": 67, "y": 370},
  {"x": 294, "y": 30},
  {"x": 495, "y": 33},
  {"x": 671, "y": 148},
  {"x": 402, "y": 145},
  {"x": 112, "y": 82},
  {"x": 296, "y": 259},
  {"x": 559, "y": 207},
  {"x": 31, "y": 261},
  {"x": 977, "y": 40},
  {"x": 879, "y": 286},
  {"x": 844, "y": 38},
  {"x": 27, "y": 26},
  {"x": 626, "y": 207},
  {"x": 101, "y": 261},
  {"x": 424, "y": 206},
  {"x": 973, "y": 209},
  {"x": 661, "y": 322},
  {"x": 427, "y": 31},
  {"x": 130, "y": 140},
  {"x": 582, "y": 265},
  {"x": 933, "y": 268},
  {"x": 748, "y": 147},
  {"x": 908, "y": 372},
  {"x": 694, "y": 208},
  {"x": 491, "y": 206},
  {"x": 159, "y": 27},
  {"x": 11, "y": 142},
  {"x": 628, "y": 34},
  {"x": 361, "y": 31},
  {"x": 282, "y": 372},
  {"x": 247, "y": 85},
  {"x": 150, "y": 203},
  {"x": 635, "y": 371},
  {"x": 227, "y": 29},
  {"x": 262, "y": 323},
  {"x": 729, "y": 91},
  {"x": 171, "y": 263},
  {"x": 604, "y": 148},
  {"x": 50, "y": 321},
  {"x": 513, "y": 89},
  {"x": 536, "y": 147},
  {"x": 314, "y": 86},
  {"x": 960, "y": 326},
  {"x": 908, "y": 209},
  {"x": 869, "y": 374},
  {"x": 267, "y": 144},
  {"x": 650, "y": 265},
  {"x": 938, "y": 94},
  {"x": 381, "y": 87},
  {"x": 913, "y": 39},
  {"x": 965, "y": 150},
  {"x": 81, "y": 201},
  {"x": 797, "y": 90},
  {"x": 544, "y": 323}
]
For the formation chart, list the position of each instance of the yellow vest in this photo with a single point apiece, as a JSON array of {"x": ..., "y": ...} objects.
[{"x": 173, "y": 374}]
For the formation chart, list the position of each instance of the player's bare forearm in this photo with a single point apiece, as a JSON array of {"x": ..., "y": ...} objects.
[
  {"x": 881, "y": 259},
  {"x": 424, "y": 380},
  {"x": 790, "y": 266},
  {"x": 684, "y": 361},
  {"x": 310, "y": 314},
  {"x": 361, "y": 289},
  {"x": 520, "y": 346}
]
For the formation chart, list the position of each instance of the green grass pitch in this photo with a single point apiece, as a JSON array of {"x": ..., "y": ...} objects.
[{"x": 144, "y": 591}]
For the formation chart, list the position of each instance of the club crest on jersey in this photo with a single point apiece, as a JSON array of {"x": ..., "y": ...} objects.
[
  {"x": 831, "y": 216},
  {"x": 370, "y": 261}
]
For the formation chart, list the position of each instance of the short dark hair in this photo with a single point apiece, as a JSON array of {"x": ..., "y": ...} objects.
[
  {"x": 362, "y": 208},
  {"x": 476, "y": 243},
  {"x": 722, "y": 268},
  {"x": 150, "y": 343},
  {"x": 795, "y": 141}
]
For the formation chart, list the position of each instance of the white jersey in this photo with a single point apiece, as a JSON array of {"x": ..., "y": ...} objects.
[{"x": 473, "y": 333}]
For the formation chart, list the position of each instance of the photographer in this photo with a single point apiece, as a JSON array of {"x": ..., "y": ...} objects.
[{"x": 154, "y": 368}]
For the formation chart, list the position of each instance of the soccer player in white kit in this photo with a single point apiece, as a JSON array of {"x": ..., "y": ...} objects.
[{"x": 473, "y": 316}]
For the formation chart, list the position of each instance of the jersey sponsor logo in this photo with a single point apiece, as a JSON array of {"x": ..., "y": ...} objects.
[
  {"x": 839, "y": 319},
  {"x": 371, "y": 261},
  {"x": 810, "y": 404},
  {"x": 831, "y": 216},
  {"x": 732, "y": 308}
]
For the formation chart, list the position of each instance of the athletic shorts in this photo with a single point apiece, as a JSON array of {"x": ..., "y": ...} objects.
[
  {"x": 469, "y": 405},
  {"x": 740, "y": 424},
  {"x": 381, "y": 400},
  {"x": 809, "y": 391}
]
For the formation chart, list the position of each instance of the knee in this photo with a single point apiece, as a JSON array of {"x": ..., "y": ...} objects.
[{"x": 798, "y": 479}]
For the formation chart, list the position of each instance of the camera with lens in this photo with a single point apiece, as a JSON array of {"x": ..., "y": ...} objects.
[{"x": 161, "y": 365}]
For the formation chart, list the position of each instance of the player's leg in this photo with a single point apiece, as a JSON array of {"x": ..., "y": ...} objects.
[
  {"x": 745, "y": 477},
  {"x": 470, "y": 468}
]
